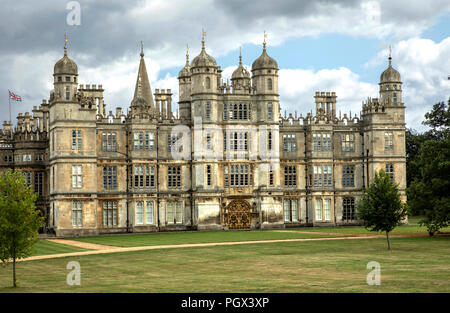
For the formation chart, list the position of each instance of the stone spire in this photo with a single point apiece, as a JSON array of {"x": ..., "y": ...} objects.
[{"x": 143, "y": 90}]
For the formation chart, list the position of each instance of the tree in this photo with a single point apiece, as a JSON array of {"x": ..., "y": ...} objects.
[
  {"x": 19, "y": 219},
  {"x": 380, "y": 206},
  {"x": 429, "y": 192}
]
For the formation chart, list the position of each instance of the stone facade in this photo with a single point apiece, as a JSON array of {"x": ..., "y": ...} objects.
[{"x": 226, "y": 160}]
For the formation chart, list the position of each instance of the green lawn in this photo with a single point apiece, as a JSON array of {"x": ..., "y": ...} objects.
[
  {"x": 414, "y": 265},
  {"x": 152, "y": 239},
  {"x": 134, "y": 240},
  {"x": 44, "y": 247}
]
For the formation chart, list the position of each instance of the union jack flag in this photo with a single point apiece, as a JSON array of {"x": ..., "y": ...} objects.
[{"x": 14, "y": 97}]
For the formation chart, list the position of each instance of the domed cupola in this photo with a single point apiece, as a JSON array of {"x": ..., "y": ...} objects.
[
  {"x": 240, "y": 72},
  {"x": 203, "y": 59},
  {"x": 264, "y": 61},
  {"x": 390, "y": 75},
  {"x": 390, "y": 86},
  {"x": 65, "y": 65},
  {"x": 186, "y": 70}
]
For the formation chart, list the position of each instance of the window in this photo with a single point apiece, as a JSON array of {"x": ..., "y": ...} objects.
[
  {"x": 38, "y": 179},
  {"x": 225, "y": 112},
  {"x": 68, "y": 79},
  {"x": 67, "y": 93},
  {"x": 109, "y": 177},
  {"x": 289, "y": 144},
  {"x": 318, "y": 209},
  {"x": 388, "y": 141},
  {"x": 208, "y": 141},
  {"x": 238, "y": 141},
  {"x": 290, "y": 210},
  {"x": 77, "y": 177},
  {"x": 149, "y": 213},
  {"x": 26, "y": 158},
  {"x": 76, "y": 139},
  {"x": 110, "y": 213},
  {"x": 270, "y": 175},
  {"x": 77, "y": 213},
  {"x": 269, "y": 141},
  {"x": 174, "y": 142},
  {"x": 327, "y": 209},
  {"x": 240, "y": 175},
  {"x": 321, "y": 142},
  {"x": 348, "y": 142},
  {"x": 290, "y": 176},
  {"x": 59, "y": 79},
  {"x": 269, "y": 84},
  {"x": 395, "y": 98},
  {"x": 208, "y": 175},
  {"x": 174, "y": 176},
  {"x": 208, "y": 111},
  {"x": 139, "y": 213},
  {"x": 27, "y": 176},
  {"x": 143, "y": 140},
  {"x": 390, "y": 171},
  {"x": 269, "y": 111},
  {"x": 348, "y": 213},
  {"x": 323, "y": 210},
  {"x": 144, "y": 176},
  {"x": 175, "y": 212},
  {"x": 109, "y": 142},
  {"x": 208, "y": 83},
  {"x": 348, "y": 176},
  {"x": 152, "y": 141},
  {"x": 323, "y": 180}
]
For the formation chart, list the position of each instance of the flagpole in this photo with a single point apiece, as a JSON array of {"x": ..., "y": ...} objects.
[{"x": 9, "y": 102}]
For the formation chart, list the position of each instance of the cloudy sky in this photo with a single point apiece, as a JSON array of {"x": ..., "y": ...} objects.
[{"x": 319, "y": 45}]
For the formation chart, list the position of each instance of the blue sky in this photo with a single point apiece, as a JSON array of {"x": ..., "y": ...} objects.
[{"x": 321, "y": 45}]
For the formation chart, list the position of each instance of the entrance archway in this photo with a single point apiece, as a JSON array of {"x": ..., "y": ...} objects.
[{"x": 238, "y": 214}]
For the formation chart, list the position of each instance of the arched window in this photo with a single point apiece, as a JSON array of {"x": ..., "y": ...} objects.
[
  {"x": 269, "y": 84},
  {"x": 208, "y": 83}
]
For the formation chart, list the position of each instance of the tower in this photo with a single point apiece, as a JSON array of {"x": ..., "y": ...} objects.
[
  {"x": 72, "y": 151},
  {"x": 184, "y": 87},
  {"x": 265, "y": 87}
]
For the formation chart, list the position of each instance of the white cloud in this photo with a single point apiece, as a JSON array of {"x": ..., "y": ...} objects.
[{"x": 298, "y": 87}]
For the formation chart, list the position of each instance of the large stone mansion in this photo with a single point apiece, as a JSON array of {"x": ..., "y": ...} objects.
[{"x": 226, "y": 160}]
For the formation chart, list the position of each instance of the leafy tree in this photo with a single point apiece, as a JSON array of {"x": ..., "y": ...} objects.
[
  {"x": 429, "y": 192},
  {"x": 380, "y": 206},
  {"x": 19, "y": 219}
]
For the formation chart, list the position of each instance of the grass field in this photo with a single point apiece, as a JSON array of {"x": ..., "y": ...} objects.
[
  {"x": 135, "y": 240},
  {"x": 420, "y": 264},
  {"x": 45, "y": 247}
]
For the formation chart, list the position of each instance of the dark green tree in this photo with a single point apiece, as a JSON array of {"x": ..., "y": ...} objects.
[
  {"x": 380, "y": 206},
  {"x": 19, "y": 219},
  {"x": 429, "y": 192}
]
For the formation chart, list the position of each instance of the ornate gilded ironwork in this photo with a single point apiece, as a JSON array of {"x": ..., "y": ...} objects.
[{"x": 238, "y": 214}]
